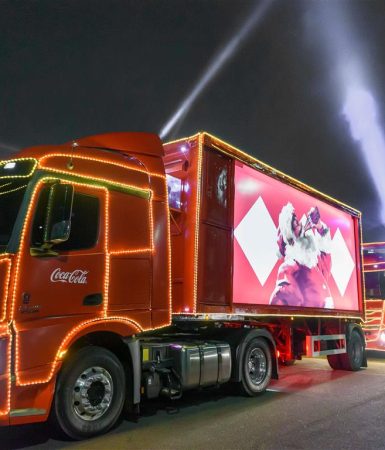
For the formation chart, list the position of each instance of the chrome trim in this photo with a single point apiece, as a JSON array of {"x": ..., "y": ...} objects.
[{"x": 27, "y": 412}]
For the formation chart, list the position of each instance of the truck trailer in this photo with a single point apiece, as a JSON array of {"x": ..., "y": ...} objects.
[{"x": 132, "y": 269}]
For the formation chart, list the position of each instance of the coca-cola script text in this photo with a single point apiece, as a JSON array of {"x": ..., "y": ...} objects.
[{"x": 76, "y": 277}]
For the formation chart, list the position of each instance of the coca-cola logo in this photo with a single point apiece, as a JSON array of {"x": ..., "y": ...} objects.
[{"x": 75, "y": 277}]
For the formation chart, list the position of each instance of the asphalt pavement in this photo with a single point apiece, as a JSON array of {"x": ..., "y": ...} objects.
[{"x": 310, "y": 407}]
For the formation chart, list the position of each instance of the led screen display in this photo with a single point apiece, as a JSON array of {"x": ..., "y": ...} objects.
[{"x": 291, "y": 249}]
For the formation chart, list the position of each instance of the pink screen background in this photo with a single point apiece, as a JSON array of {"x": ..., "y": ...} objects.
[{"x": 251, "y": 186}]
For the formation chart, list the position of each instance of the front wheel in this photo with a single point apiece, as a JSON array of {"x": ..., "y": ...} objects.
[
  {"x": 90, "y": 393},
  {"x": 256, "y": 367}
]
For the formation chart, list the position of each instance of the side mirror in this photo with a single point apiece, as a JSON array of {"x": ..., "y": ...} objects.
[{"x": 57, "y": 224}]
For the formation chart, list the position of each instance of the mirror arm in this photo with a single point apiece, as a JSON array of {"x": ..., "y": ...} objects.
[{"x": 44, "y": 250}]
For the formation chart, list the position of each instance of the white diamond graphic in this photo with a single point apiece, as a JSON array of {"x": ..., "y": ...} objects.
[
  {"x": 342, "y": 262},
  {"x": 257, "y": 237}
]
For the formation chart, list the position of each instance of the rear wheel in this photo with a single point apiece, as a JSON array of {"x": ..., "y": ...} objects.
[
  {"x": 353, "y": 358},
  {"x": 256, "y": 367},
  {"x": 90, "y": 393}
]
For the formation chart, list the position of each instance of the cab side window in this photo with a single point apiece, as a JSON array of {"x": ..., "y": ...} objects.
[{"x": 84, "y": 222}]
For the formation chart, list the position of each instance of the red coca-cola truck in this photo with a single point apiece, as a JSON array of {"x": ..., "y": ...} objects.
[{"x": 131, "y": 269}]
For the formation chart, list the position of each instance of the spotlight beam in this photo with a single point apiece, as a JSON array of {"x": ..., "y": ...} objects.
[
  {"x": 336, "y": 26},
  {"x": 7, "y": 148},
  {"x": 361, "y": 112},
  {"x": 216, "y": 64}
]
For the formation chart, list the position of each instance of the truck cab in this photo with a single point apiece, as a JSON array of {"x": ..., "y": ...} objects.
[{"x": 84, "y": 241}]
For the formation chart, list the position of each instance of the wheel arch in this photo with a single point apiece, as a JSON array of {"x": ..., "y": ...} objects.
[{"x": 120, "y": 339}]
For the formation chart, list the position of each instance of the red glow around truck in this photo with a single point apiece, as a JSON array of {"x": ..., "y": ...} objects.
[{"x": 130, "y": 269}]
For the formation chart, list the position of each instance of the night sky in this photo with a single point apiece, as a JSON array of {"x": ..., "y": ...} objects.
[{"x": 80, "y": 67}]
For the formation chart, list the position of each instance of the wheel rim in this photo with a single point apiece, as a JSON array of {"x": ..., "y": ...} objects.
[
  {"x": 92, "y": 393},
  {"x": 257, "y": 366}
]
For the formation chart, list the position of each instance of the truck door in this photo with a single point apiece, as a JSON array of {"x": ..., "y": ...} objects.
[{"x": 57, "y": 293}]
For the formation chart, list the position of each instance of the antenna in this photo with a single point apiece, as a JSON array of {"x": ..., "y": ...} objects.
[{"x": 70, "y": 163}]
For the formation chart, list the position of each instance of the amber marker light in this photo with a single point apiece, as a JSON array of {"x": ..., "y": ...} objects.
[
  {"x": 129, "y": 187},
  {"x": 151, "y": 219},
  {"x": 169, "y": 262},
  {"x": 98, "y": 160},
  {"x": 7, "y": 408},
  {"x": 63, "y": 347},
  {"x": 131, "y": 251},
  {"x": 197, "y": 219},
  {"x": 246, "y": 158},
  {"x": 5, "y": 288},
  {"x": 241, "y": 315},
  {"x": 106, "y": 251},
  {"x": 11, "y": 163}
]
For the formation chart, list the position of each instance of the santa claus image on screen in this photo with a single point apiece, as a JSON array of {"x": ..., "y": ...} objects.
[{"x": 305, "y": 247}]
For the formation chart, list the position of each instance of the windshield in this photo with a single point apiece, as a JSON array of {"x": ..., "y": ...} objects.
[{"x": 14, "y": 177}]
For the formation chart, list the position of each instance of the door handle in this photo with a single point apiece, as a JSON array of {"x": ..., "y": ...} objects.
[{"x": 93, "y": 299}]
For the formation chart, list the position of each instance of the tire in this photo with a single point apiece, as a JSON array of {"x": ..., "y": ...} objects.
[
  {"x": 90, "y": 393},
  {"x": 353, "y": 359},
  {"x": 334, "y": 362},
  {"x": 256, "y": 367}
]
